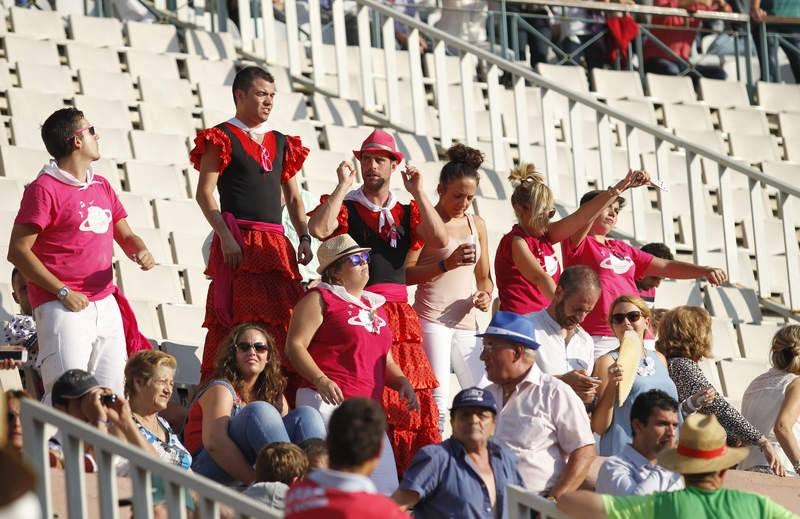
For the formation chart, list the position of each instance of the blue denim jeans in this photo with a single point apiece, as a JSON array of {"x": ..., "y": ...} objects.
[{"x": 256, "y": 425}]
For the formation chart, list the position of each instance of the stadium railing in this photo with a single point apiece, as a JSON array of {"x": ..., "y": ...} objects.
[
  {"x": 520, "y": 504},
  {"x": 75, "y": 435}
]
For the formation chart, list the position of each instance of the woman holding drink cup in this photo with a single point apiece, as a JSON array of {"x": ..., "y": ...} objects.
[{"x": 446, "y": 296}]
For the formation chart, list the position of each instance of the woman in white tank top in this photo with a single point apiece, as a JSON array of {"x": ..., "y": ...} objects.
[
  {"x": 772, "y": 404},
  {"x": 453, "y": 281}
]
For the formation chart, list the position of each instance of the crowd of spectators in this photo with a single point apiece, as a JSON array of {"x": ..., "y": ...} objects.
[{"x": 330, "y": 400}]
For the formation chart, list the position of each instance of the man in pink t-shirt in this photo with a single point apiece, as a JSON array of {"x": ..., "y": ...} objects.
[{"x": 62, "y": 242}]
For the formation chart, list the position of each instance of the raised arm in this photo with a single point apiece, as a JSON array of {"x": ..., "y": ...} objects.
[
  {"x": 324, "y": 221},
  {"x": 20, "y": 253},
  {"x": 483, "y": 270},
  {"x": 207, "y": 183},
  {"x": 431, "y": 230},
  {"x": 306, "y": 320},
  {"x": 133, "y": 246},
  {"x": 530, "y": 268},
  {"x": 785, "y": 423},
  {"x": 610, "y": 375},
  {"x": 682, "y": 270},
  {"x": 217, "y": 403},
  {"x": 577, "y": 225},
  {"x": 583, "y": 504}
]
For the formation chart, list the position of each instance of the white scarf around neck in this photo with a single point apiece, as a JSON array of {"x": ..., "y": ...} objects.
[
  {"x": 64, "y": 177},
  {"x": 261, "y": 129},
  {"x": 357, "y": 195},
  {"x": 374, "y": 301}
]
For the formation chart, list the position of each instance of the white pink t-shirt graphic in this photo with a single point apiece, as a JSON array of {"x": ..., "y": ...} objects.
[{"x": 76, "y": 233}]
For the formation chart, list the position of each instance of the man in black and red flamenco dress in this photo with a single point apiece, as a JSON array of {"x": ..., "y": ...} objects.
[{"x": 253, "y": 266}]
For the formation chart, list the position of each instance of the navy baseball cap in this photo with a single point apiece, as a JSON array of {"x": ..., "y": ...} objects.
[
  {"x": 511, "y": 327},
  {"x": 73, "y": 383},
  {"x": 474, "y": 397}
]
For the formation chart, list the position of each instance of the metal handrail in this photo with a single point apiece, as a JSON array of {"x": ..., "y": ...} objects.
[{"x": 75, "y": 434}]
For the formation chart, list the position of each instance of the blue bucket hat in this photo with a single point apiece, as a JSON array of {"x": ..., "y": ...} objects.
[
  {"x": 511, "y": 327},
  {"x": 474, "y": 397}
]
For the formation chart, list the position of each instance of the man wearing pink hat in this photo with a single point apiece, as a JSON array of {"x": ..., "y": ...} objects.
[{"x": 375, "y": 218}]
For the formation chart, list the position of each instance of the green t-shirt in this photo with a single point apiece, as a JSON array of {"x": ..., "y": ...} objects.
[{"x": 695, "y": 503}]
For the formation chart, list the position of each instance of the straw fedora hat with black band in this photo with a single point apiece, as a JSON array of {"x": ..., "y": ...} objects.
[
  {"x": 701, "y": 448},
  {"x": 336, "y": 248}
]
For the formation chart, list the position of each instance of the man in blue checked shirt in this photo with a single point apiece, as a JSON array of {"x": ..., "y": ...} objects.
[{"x": 464, "y": 476}]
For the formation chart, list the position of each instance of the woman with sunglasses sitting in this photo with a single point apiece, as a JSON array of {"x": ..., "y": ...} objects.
[
  {"x": 610, "y": 420},
  {"x": 242, "y": 409},
  {"x": 526, "y": 263},
  {"x": 340, "y": 344}
]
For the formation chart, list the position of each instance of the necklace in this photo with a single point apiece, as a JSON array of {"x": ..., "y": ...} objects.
[{"x": 154, "y": 427}]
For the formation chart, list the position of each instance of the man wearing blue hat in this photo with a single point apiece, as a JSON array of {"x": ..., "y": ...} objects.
[
  {"x": 466, "y": 475},
  {"x": 540, "y": 418}
]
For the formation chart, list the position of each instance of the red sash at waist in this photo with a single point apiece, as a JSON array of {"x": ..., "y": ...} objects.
[{"x": 223, "y": 282}]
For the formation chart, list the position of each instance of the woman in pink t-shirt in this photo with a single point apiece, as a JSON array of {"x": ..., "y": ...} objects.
[
  {"x": 339, "y": 341},
  {"x": 526, "y": 263},
  {"x": 618, "y": 265}
]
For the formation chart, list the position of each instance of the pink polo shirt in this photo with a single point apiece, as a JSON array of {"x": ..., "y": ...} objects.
[
  {"x": 542, "y": 422},
  {"x": 76, "y": 234},
  {"x": 617, "y": 265}
]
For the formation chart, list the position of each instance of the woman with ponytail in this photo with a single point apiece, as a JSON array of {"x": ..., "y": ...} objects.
[
  {"x": 455, "y": 280},
  {"x": 526, "y": 263}
]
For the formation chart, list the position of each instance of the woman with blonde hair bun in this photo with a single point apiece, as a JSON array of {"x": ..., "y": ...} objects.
[
  {"x": 772, "y": 403},
  {"x": 526, "y": 263}
]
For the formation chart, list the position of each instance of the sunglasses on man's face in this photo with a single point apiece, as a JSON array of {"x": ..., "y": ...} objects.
[
  {"x": 90, "y": 129},
  {"x": 632, "y": 317},
  {"x": 245, "y": 347},
  {"x": 359, "y": 258}
]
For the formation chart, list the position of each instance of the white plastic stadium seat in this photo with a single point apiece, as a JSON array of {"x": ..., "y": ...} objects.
[
  {"x": 210, "y": 45},
  {"x": 175, "y": 92},
  {"x": 196, "y": 286},
  {"x": 107, "y": 85},
  {"x": 213, "y": 72},
  {"x": 672, "y": 293},
  {"x": 779, "y": 97},
  {"x": 81, "y": 56},
  {"x": 215, "y": 96},
  {"x": 289, "y": 106},
  {"x": 152, "y": 65},
  {"x": 789, "y": 124},
  {"x": 26, "y": 132},
  {"x": 617, "y": 84},
  {"x": 22, "y": 163},
  {"x": 671, "y": 89},
  {"x": 306, "y": 131},
  {"x": 157, "y": 242},
  {"x": 688, "y": 117},
  {"x": 34, "y": 23},
  {"x": 152, "y": 37},
  {"x": 725, "y": 344},
  {"x": 161, "y": 283},
  {"x": 48, "y": 79},
  {"x": 106, "y": 113},
  {"x": 182, "y": 323},
  {"x": 140, "y": 213},
  {"x": 96, "y": 31},
  {"x": 155, "y": 180},
  {"x": 341, "y": 112},
  {"x": 180, "y": 215},
  {"x": 737, "y": 374},
  {"x": 743, "y": 121},
  {"x": 187, "y": 249},
  {"x": 32, "y": 104},
  {"x": 147, "y": 318},
  {"x": 114, "y": 143},
  {"x": 159, "y": 147},
  {"x": 756, "y": 339},
  {"x": 416, "y": 148},
  {"x": 20, "y": 48},
  {"x": 189, "y": 357},
  {"x": 754, "y": 148},
  {"x": 737, "y": 304},
  {"x": 167, "y": 119},
  {"x": 724, "y": 94}
]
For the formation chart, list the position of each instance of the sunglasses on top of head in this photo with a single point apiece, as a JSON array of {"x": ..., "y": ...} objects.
[
  {"x": 244, "y": 347},
  {"x": 359, "y": 258},
  {"x": 632, "y": 317}
]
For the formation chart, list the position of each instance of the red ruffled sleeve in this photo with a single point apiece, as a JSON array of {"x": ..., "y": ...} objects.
[
  {"x": 416, "y": 220},
  {"x": 201, "y": 142},
  {"x": 341, "y": 217},
  {"x": 294, "y": 157}
]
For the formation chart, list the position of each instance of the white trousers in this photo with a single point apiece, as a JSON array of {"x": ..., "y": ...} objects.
[
  {"x": 452, "y": 349},
  {"x": 385, "y": 475},
  {"x": 92, "y": 340}
]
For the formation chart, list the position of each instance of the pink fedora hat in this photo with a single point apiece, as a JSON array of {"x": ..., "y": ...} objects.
[{"x": 380, "y": 140}]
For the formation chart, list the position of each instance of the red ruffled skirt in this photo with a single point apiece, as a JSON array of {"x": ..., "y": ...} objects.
[
  {"x": 409, "y": 431},
  {"x": 266, "y": 286}
]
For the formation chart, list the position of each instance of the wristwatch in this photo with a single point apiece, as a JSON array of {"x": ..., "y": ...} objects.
[{"x": 62, "y": 293}]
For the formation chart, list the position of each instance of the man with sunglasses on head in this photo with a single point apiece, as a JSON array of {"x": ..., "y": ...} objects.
[
  {"x": 374, "y": 217},
  {"x": 62, "y": 242},
  {"x": 566, "y": 351},
  {"x": 540, "y": 418}
]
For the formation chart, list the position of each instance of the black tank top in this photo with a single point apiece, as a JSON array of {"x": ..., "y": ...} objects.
[
  {"x": 245, "y": 188},
  {"x": 387, "y": 263}
]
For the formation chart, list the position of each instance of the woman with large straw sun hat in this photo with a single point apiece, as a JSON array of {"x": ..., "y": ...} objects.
[{"x": 702, "y": 457}]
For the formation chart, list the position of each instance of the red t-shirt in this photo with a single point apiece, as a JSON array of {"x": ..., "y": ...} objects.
[
  {"x": 679, "y": 41},
  {"x": 617, "y": 265},
  {"x": 516, "y": 293},
  {"x": 350, "y": 347},
  {"x": 372, "y": 218},
  {"x": 308, "y": 500},
  {"x": 76, "y": 234}
]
